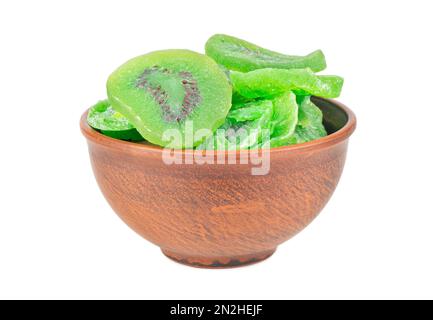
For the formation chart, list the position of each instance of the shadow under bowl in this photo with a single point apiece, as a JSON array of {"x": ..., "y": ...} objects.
[{"x": 220, "y": 215}]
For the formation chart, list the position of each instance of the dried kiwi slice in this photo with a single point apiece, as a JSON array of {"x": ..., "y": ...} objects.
[
  {"x": 241, "y": 55},
  {"x": 284, "y": 119},
  {"x": 310, "y": 122},
  {"x": 244, "y": 127},
  {"x": 165, "y": 90},
  {"x": 272, "y": 82},
  {"x": 104, "y": 118}
]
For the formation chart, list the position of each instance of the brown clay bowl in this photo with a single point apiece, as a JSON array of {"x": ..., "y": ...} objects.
[{"x": 219, "y": 215}]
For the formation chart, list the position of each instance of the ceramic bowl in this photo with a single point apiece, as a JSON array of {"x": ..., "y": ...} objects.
[{"x": 221, "y": 215}]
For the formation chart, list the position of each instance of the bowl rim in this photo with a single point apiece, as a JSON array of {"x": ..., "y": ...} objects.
[{"x": 342, "y": 134}]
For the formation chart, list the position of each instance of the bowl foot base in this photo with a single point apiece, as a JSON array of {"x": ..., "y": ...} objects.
[{"x": 219, "y": 262}]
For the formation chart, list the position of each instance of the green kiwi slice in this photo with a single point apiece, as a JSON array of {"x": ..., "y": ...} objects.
[
  {"x": 240, "y": 55},
  {"x": 165, "y": 90},
  {"x": 105, "y": 119}
]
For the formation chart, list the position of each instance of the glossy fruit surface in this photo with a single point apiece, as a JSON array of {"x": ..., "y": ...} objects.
[{"x": 164, "y": 90}]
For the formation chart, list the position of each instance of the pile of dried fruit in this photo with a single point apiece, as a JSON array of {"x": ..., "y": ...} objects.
[{"x": 237, "y": 96}]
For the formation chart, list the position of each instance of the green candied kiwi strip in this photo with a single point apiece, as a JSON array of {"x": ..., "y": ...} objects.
[
  {"x": 310, "y": 122},
  {"x": 105, "y": 119},
  {"x": 241, "y": 55},
  {"x": 272, "y": 82},
  {"x": 244, "y": 127},
  {"x": 265, "y": 83}
]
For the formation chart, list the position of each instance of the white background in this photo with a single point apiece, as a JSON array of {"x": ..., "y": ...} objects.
[{"x": 60, "y": 239}]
